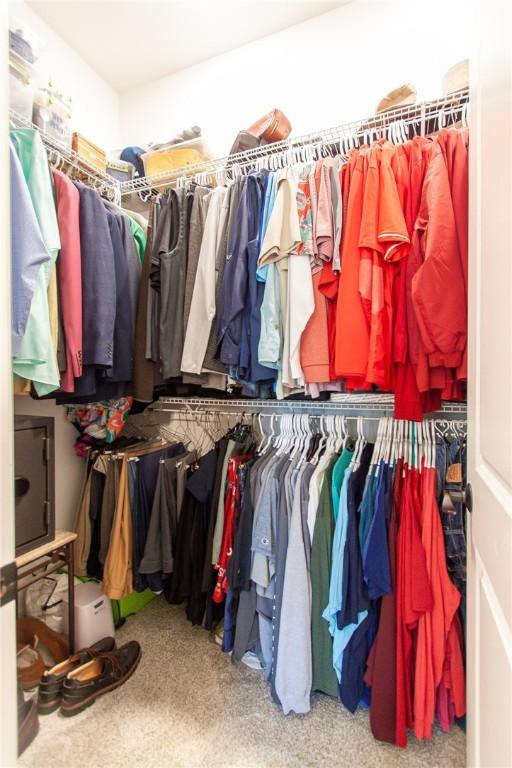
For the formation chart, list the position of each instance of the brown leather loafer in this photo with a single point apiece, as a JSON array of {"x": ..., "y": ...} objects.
[
  {"x": 105, "y": 673},
  {"x": 52, "y": 680},
  {"x": 30, "y": 666},
  {"x": 29, "y": 627},
  {"x": 28, "y": 723}
]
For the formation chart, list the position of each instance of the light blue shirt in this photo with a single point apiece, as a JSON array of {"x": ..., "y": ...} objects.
[
  {"x": 270, "y": 343},
  {"x": 340, "y": 637},
  {"x": 268, "y": 205}
]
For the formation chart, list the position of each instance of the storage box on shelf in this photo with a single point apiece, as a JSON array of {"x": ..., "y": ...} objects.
[
  {"x": 175, "y": 156},
  {"x": 89, "y": 152}
]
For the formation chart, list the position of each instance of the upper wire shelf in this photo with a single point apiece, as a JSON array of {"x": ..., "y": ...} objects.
[
  {"x": 447, "y": 109},
  {"x": 343, "y": 402},
  {"x": 94, "y": 176}
]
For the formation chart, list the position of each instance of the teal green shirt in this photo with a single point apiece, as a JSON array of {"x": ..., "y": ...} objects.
[
  {"x": 338, "y": 473},
  {"x": 139, "y": 236}
]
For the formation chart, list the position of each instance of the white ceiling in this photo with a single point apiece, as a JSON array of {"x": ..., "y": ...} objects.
[{"x": 156, "y": 38}]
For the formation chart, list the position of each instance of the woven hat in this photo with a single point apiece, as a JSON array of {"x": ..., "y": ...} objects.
[
  {"x": 456, "y": 78},
  {"x": 399, "y": 97}
]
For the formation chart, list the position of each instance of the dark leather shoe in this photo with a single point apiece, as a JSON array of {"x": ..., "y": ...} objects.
[
  {"x": 108, "y": 671},
  {"x": 51, "y": 682},
  {"x": 28, "y": 722}
]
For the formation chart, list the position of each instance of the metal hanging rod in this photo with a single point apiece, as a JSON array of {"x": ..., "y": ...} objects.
[
  {"x": 446, "y": 108},
  {"x": 57, "y": 150},
  {"x": 344, "y": 403}
]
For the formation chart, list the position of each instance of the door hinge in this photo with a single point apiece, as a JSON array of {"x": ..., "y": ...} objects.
[
  {"x": 8, "y": 582},
  {"x": 47, "y": 449}
]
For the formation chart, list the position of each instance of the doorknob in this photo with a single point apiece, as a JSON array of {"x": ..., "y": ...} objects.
[
  {"x": 21, "y": 486},
  {"x": 458, "y": 497}
]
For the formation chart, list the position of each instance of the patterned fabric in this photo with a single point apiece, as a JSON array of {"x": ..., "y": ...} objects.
[{"x": 103, "y": 420}]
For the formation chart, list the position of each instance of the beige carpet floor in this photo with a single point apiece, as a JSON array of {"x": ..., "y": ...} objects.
[{"x": 187, "y": 706}]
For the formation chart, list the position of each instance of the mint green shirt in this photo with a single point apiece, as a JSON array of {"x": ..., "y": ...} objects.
[{"x": 36, "y": 359}]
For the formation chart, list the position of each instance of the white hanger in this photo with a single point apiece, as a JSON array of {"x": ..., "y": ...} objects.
[
  {"x": 396, "y": 442},
  {"x": 329, "y": 429},
  {"x": 262, "y": 432},
  {"x": 359, "y": 443},
  {"x": 308, "y": 434},
  {"x": 429, "y": 444},
  {"x": 419, "y": 445},
  {"x": 285, "y": 432},
  {"x": 280, "y": 434},
  {"x": 433, "y": 433},
  {"x": 378, "y": 442},
  {"x": 353, "y": 461},
  {"x": 390, "y": 441}
]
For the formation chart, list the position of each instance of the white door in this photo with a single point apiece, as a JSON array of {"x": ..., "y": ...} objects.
[
  {"x": 8, "y": 709},
  {"x": 489, "y": 630}
]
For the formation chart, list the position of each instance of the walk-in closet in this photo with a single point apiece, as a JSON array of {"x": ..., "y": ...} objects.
[{"x": 256, "y": 376}]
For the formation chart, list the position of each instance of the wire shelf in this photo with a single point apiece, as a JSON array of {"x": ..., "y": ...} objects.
[
  {"x": 446, "y": 108},
  {"x": 341, "y": 403},
  {"x": 98, "y": 179}
]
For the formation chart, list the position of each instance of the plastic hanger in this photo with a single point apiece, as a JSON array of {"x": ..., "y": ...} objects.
[
  {"x": 262, "y": 432},
  {"x": 308, "y": 436},
  {"x": 353, "y": 461},
  {"x": 298, "y": 436},
  {"x": 378, "y": 442},
  {"x": 279, "y": 435}
]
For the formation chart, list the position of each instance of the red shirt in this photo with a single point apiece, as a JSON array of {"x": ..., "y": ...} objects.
[
  {"x": 434, "y": 626},
  {"x": 352, "y": 327},
  {"x": 414, "y": 598},
  {"x": 441, "y": 322}
]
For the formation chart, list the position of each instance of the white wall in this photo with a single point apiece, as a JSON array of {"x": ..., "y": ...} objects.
[
  {"x": 96, "y": 115},
  {"x": 69, "y": 469},
  {"x": 95, "y": 103},
  {"x": 328, "y": 70}
]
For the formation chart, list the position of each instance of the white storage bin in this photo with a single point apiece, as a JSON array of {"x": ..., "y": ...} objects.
[
  {"x": 22, "y": 86},
  {"x": 52, "y": 114},
  {"x": 93, "y": 615}
]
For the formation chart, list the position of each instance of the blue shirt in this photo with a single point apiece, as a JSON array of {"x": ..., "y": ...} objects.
[
  {"x": 234, "y": 281},
  {"x": 340, "y": 637},
  {"x": 375, "y": 551},
  {"x": 268, "y": 205}
]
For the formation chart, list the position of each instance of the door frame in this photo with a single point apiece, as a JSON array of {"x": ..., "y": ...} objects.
[{"x": 8, "y": 687}]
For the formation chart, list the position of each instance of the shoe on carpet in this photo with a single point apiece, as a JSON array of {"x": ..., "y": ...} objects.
[
  {"x": 52, "y": 680},
  {"x": 28, "y": 722},
  {"x": 29, "y": 665},
  {"x": 106, "y": 672},
  {"x": 28, "y": 628},
  {"x": 251, "y": 660}
]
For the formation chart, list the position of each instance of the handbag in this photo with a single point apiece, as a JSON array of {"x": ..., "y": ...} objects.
[{"x": 274, "y": 126}]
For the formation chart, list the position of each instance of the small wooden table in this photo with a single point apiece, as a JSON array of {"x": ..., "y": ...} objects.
[{"x": 53, "y": 555}]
